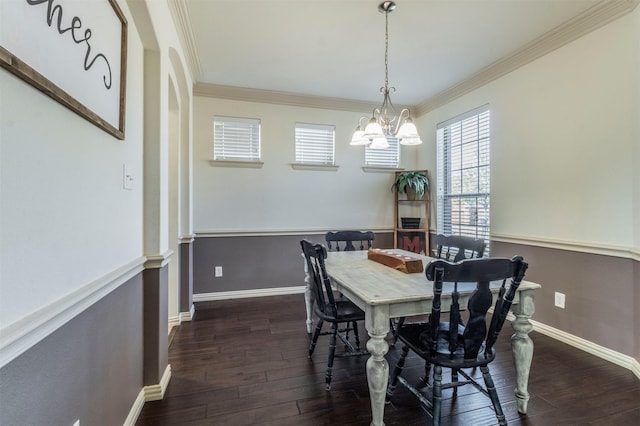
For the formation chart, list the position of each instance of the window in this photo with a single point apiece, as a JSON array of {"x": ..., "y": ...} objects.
[
  {"x": 236, "y": 139},
  {"x": 463, "y": 174},
  {"x": 388, "y": 157},
  {"x": 315, "y": 144}
]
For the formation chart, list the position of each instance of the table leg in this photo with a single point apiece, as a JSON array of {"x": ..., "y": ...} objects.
[
  {"x": 308, "y": 297},
  {"x": 377, "y": 324},
  {"x": 522, "y": 347}
]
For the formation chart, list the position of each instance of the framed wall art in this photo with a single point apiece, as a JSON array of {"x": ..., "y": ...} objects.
[{"x": 74, "y": 51}]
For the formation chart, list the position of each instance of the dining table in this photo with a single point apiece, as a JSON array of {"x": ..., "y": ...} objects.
[{"x": 384, "y": 293}]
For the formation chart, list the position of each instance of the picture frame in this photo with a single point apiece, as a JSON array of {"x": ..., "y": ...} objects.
[{"x": 73, "y": 51}]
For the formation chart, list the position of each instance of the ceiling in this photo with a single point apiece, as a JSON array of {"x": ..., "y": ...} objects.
[{"x": 335, "y": 49}]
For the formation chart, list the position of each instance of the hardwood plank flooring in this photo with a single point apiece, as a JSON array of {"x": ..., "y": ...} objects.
[{"x": 244, "y": 362}]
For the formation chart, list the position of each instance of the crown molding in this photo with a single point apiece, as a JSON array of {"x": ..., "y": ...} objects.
[
  {"x": 597, "y": 16},
  {"x": 281, "y": 98},
  {"x": 182, "y": 22}
]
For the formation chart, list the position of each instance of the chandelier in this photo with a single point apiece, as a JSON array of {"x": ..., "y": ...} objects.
[{"x": 385, "y": 122}]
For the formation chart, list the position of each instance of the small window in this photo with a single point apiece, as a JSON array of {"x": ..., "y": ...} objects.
[
  {"x": 315, "y": 144},
  {"x": 236, "y": 139},
  {"x": 463, "y": 174},
  {"x": 388, "y": 157}
]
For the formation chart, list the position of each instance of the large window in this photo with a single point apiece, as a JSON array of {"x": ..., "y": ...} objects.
[
  {"x": 315, "y": 144},
  {"x": 463, "y": 174},
  {"x": 236, "y": 139},
  {"x": 388, "y": 157}
]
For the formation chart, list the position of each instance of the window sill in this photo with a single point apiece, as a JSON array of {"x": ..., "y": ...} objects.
[
  {"x": 233, "y": 163},
  {"x": 381, "y": 169},
  {"x": 308, "y": 166}
]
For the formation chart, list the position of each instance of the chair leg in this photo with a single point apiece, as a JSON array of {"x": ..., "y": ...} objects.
[
  {"x": 332, "y": 352},
  {"x": 398, "y": 326},
  {"x": 437, "y": 394},
  {"x": 314, "y": 340},
  {"x": 454, "y": 379},
  {"x": 396, "y": 373},
  {"x": 493, "y": 394},
  {"x": 356, "y": 334}
]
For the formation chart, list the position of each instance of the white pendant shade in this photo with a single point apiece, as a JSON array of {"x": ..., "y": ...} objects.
[
  {"x": 379, "y": 142},
  {"x": 408, "y": 130},
  {"x": 358, "y": 137},
  {"x": 373, "y": 130}
]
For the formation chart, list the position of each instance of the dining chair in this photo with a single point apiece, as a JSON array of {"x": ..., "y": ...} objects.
[
  {"x": 454, "y": 248},
  {"x": 328, "y": 309},
  {"x": 458, "y": 247},
  {"x": 448, "y": 344},
  {"x": 363, "y": 240}
]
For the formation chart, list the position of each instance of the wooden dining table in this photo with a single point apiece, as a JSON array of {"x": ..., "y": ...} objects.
[{"x": 383, "y": 292}]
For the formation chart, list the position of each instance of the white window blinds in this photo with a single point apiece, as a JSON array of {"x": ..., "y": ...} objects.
[
  {"x": 236, "y": 138},
  {"x": 388, "y": 157},
  {"x": 463, "y": 174},
  {"x": 315, "y": 144}
]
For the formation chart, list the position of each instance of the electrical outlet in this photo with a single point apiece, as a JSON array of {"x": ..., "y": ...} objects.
[
  {"x": 559, "y": 300},
  {"x": 218, "y": 271}
]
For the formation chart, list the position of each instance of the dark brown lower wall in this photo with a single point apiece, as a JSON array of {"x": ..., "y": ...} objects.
[
  {"x": 254, "y": 262},
  {"x": 601, "y": 294},
  {"x": 89, "y": 370}
]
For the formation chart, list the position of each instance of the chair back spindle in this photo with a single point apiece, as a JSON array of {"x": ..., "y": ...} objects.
[
  {"x": 350, "y": 240},
  {"x": 458, "y": 247},
  {"x": 475, "y": 334}
]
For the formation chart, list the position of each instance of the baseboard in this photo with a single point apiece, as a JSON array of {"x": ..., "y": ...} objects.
[
  {"x": 188, "y": 316},
  {"x": 174, "y": 322},
  {"x": 240, "y": 294},
  {"x": 594, "y": 349},
  {"x": 136, "y": 409},
  {"x": 156, "y": 392}
]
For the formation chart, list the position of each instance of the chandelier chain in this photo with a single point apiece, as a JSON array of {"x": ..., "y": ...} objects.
[{"x": 386, "y": 50}]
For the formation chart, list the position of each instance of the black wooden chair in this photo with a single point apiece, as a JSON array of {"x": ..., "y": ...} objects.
[
  {"x": 452, "y": 345},
  {"x": 346, "y": 239},
  {"x": 328, "y": 309},
  {"x": 454, "y": 248},
  {"x": 458, "y": 247}
]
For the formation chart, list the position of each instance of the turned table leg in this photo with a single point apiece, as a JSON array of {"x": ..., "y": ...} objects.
[
  {"x": 522, "y": 347},
  {"x": 377, "y": 324}
]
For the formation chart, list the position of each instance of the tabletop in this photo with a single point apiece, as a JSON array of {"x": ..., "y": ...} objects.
[{"x": 378, "y": 284}]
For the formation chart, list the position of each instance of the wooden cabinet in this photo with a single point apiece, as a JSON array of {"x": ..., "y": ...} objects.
[{"x": 411, "y": 236}]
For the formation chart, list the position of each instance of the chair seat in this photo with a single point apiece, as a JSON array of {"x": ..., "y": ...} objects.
[
  {"x": 347, "y": 311},
  {"x": 418, "y": 337}
]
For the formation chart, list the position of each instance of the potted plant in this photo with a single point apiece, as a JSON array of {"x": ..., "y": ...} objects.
[{"x": 414, "y": 184}]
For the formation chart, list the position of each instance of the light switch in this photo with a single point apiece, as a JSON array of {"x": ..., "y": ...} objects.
[{"x": 127, "y": 177}]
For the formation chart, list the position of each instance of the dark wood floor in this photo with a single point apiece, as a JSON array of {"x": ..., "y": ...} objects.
[{"x": 244, "y": 361}]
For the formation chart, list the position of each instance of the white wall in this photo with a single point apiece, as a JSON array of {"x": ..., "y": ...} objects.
[
  {"x": 636, "y": 137},
  {"x": 276, "y": 197},
  {"x": 66, "y": 219},
  {"x": 563, "y": 133}
]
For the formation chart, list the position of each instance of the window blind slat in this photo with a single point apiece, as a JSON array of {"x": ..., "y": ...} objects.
[
  {"x": 463, "y": 144},
  {"x": 315, "y": 144},
  {"x": 236, "y": 138},
  {"x": 388, "y": 157}
]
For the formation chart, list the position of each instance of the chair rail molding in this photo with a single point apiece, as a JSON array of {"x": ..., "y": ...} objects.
[
  {"x": 577, "y": 246},
  {"x": 157, "y": 261},
  {"x": 283, "y": 232},
  {"x": 26, "y": 332}
]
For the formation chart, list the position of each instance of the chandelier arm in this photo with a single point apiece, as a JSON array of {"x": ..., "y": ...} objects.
[{"x": 399, "y": 122}]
